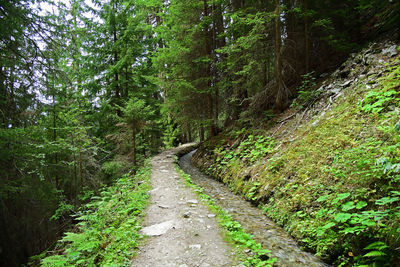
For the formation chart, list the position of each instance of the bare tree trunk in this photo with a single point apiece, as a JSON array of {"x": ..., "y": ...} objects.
[
  {"x": 55, "y": 137},
  {"x": 201, "y": 134},
  {"x": 208, "y": 73},
  {"x": 80, "y": 165},
  {"x": 306, "y": 37},
  {"x": 134, "y": 145},
  {"x": 278, "y": 59},
  {"x": 75, "y": 178},
  {"x": 219, "y": 42},
  {"x": 142, "y": 140},
  {"x": 116, "y": 76},
  {"x": 214, "y": 68},
  {"x": 265, "y": 67},
  {"x": 189, "y": 134}
]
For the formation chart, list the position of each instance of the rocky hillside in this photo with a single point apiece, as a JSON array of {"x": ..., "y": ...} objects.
[{"x": 328, "y": 169}]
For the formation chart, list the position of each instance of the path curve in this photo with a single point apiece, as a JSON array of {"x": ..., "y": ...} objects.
[{"x": 182, "y": 231}]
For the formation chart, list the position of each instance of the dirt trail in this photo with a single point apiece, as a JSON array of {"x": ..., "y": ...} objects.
[{"x": 182, "y": 231}]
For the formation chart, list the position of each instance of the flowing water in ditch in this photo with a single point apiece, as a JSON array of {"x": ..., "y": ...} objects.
[{"x": 272, "y": 237}]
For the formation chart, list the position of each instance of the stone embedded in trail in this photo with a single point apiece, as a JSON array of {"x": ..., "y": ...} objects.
[
  {"x": 192, "y": 201},
  {"x": 169, "y": 245},
  {"x": 195, "y": 246},
  {"x": 158, "y": 229},
  {"x": 154, "y": 190},
  {"x": 273, "y": 238}
]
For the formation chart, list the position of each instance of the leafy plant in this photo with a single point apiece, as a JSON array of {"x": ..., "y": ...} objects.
[
  {"x": 380, "y": 98},
  {"x": 378, "y": 101},
  {"x": 107, "y": 232},
  {"x": 376, "y": 255},
  {"x": 114, "y": 169},
  {"x": 307, "y": 96},
  {"x": 251, "y": 194},
  {"x": 63, "y": 209}
]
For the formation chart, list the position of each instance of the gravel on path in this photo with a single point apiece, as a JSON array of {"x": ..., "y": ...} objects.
[{"x": 181, "y": 230}]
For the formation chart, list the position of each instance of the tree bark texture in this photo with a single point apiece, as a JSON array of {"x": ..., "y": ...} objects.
[
  {"x": 278, "y": 60},
  {"x": 306, "y": 37}
]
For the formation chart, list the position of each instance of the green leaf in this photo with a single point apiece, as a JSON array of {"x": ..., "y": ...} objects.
[
  {"x": 56, "y": 260},
  {"x": 353, "y": 230},
  {"x": 375, "y": 254},
  {"x": 322, "y": 198},
  {"x": 328, "y": 225},
  {"x": 368, "y": 222},
  {"x": 396, "y": 193},
  {"x": 379, "y": 245},
  {"x": 361, "y": 205},
  {"x": 340, "y": 197},
  {"x": 348, "y": 206},
  {"x": 342, "y": 217},
  {"x": 386, "y": 200}
]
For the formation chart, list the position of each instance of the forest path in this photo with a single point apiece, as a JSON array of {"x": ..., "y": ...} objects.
[{"x": 182, "y": 231}]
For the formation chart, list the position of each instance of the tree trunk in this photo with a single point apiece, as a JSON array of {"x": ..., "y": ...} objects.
[
  {"x": 126, "y": 83},
  {"x": 80, "y": 165},
  {"x": 265, "y": 67},
  {"x": 158, "y": 24},
  {"x": 306, "y": 37},
  {"x": 115, "y": 59},
  {"x": 278, "y": 60},
  {"x": 214, "y": 67},
  {"x": 117, "y": 91},
  {"x": 75, "y": 178},
  {"x": 134, "y": 146},
  {"x": 142, "y": 138},
  {"x": 55, "y": 138},
  {"x": 208, "y": 73},
  {"x": 201, "y": 134},
  {"x": 189, "y": 134}
]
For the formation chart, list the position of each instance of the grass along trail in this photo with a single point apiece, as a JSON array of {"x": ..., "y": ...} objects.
[{"x": 272, "y": 238}]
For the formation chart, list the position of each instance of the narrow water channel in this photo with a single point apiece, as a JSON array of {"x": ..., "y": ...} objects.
[{"x": 272, "y": 237}]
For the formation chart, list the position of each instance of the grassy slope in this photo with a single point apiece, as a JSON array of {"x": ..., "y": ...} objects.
[
  {"x": 107, "y": 234},
  {"x": 333, "y": 182}
]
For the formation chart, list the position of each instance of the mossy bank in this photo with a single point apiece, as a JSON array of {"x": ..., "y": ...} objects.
[{"x": 328, "y": 169}]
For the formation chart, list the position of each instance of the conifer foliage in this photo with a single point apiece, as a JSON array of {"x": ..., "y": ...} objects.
[{"x": 90, "y": 88}]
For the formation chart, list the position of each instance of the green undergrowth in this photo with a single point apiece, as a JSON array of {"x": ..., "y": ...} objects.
[
  {"x": 234, "y": 232},
  {"x": 334, "y": 182},
  {"x": 107, "y": 232}
]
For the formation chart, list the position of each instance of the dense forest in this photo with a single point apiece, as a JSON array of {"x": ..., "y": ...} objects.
[{"x": 90, "y": 89}]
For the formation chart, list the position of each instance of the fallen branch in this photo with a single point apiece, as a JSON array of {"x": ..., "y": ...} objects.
[
  {"x": 302, "y": 116},
  {"x": 285, "y": 119}
]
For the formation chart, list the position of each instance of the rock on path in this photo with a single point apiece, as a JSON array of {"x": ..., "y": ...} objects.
[{"x": 180, "y": 228}]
